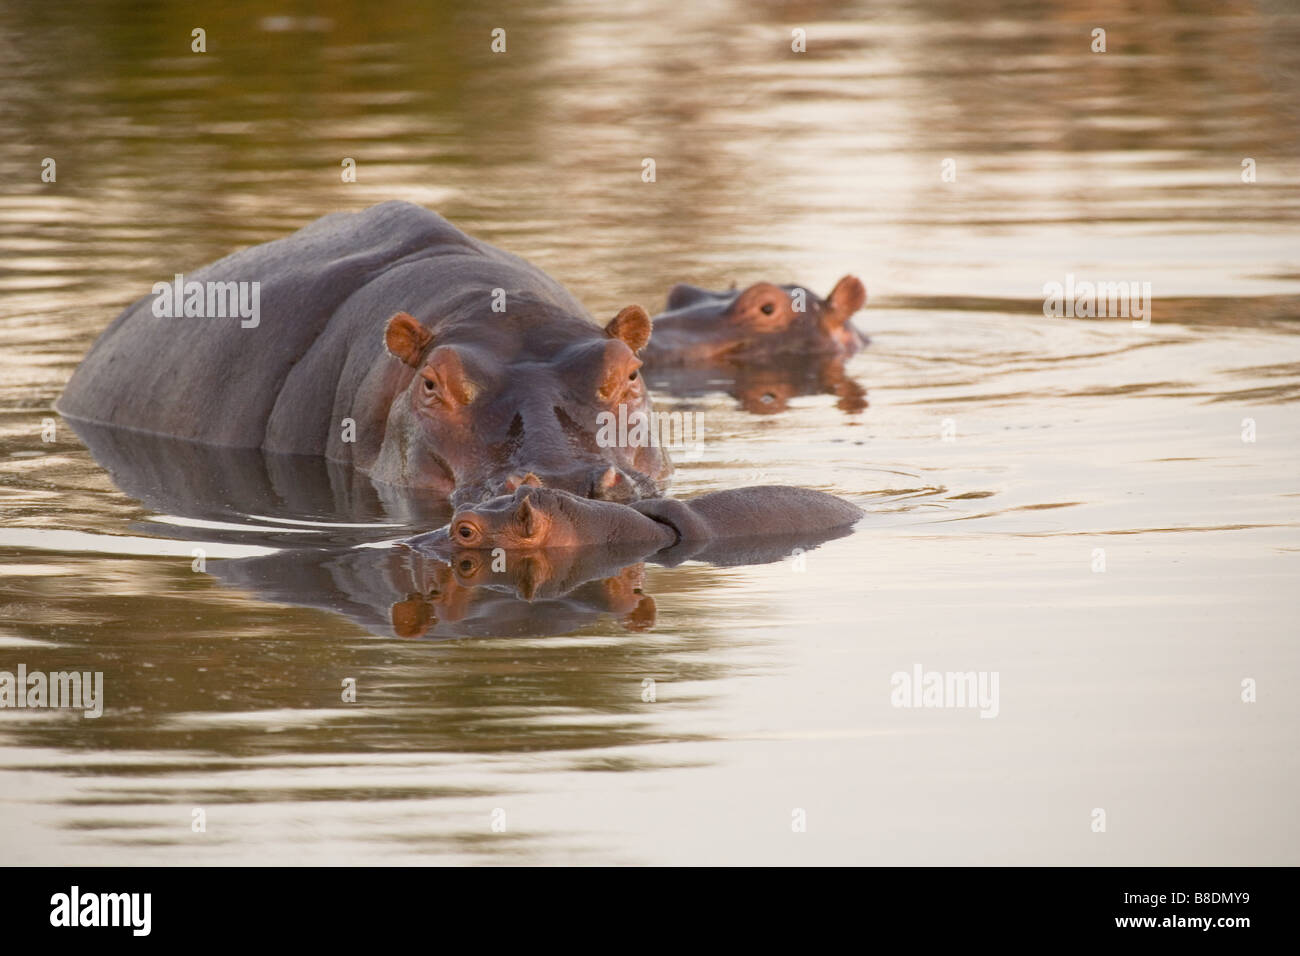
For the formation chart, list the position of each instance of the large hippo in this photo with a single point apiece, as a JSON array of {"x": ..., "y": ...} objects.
[
  {"x": 389, "y": 340},
  {"x": 761, "y": 322}
]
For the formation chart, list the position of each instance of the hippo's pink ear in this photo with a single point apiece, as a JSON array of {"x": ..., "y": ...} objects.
[
  {"x": 847, "y": 297},
  {"x": 406, "y": 339},
  {"x": 631, "y": 326},
  {"x": 526, "y": 518},
  {"x": 514, "y": 482}
]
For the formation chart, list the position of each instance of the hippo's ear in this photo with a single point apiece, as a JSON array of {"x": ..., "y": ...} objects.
[
  {"x": 514, "y": 482},
  {"x": 847, "y": 297},
  {"x": 406, "y": 339},
  {"x": 631, "y": 326},
  {"x": 526, "y": 518}
]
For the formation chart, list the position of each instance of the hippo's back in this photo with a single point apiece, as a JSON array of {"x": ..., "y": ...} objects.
[{"x": 213, "y": 380}]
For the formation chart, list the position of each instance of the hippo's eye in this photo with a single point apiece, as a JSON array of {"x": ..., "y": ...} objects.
[
  {"x": 632, "y": 377},
  {"x": 430, "y": 386},
  {"x": 768, "y": 308},
  {"x": 465, "y": 530}
]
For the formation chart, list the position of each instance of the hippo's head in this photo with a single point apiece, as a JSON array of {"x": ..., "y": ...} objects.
[
  {"x": 764, "y": 319},
  {"x": 557, "y": 541},
  {"x": 520, "y": 404},
  {"x": 528, "y": 518}
]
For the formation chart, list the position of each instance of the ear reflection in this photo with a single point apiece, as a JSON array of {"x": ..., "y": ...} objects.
[{"x": 766, "y": 387}]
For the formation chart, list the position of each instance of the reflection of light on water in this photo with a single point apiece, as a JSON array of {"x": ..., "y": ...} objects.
[
  {"x": 84, "y": 542},
  {"x": 270, "y": 721},
  {"x": 299, "y": 526},
  {"x": 844, "y": 733},
  {"x": 184, "y": 522},
  {"x": 327, "y": 525},
  {"x": 769, "y": 167}
]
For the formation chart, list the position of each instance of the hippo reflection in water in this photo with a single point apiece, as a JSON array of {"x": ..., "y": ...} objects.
[
  {"x": 420, "y": 592},
  {"x": 339, "y": 541},
  {"x": 766, "y": 386},
  {"x": 540, "y": 546},
  {"x": 428, "y": 587}
]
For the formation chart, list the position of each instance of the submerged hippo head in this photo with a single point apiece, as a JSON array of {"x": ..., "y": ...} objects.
[
  {"x": 522, "y": 401},
  {"x": 533, "y": 518},
  {"x": 764, "y": 319}
]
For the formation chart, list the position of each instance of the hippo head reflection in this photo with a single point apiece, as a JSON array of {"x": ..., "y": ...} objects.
[
  {"x": 765, "y": 387},
  {"x": 331, "y": 534},
  {"x": 405, "y": 591},
  {"x": 533, "y": 593}
]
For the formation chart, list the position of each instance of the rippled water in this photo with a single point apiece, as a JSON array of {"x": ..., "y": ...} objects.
[{"x": 995, "y": 450}]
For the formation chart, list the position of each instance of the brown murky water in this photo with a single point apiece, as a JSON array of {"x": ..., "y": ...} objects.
[{"x": 1102, "y": 514}]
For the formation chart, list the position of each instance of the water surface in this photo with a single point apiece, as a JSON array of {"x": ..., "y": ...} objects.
[{"x": 997, "y": 452}]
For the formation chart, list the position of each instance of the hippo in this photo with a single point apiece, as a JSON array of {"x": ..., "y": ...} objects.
[
  {"x": 534, "y": 518},
  {"x": 760, "y": 322},
  {"x": 390, "y": 341}
]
